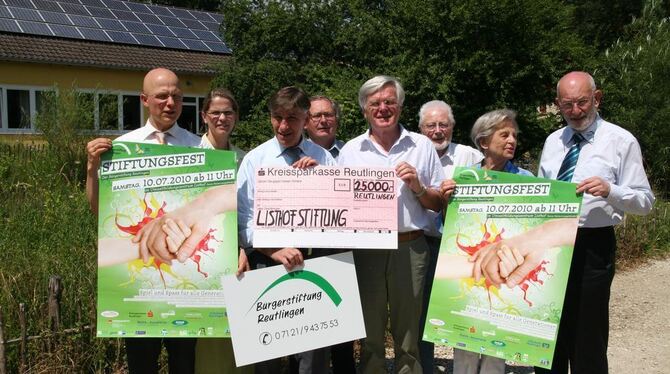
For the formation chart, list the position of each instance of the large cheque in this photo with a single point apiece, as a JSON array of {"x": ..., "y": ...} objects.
[
  {"x": 274, "y": 313},
  {"x": 326, "y": 207},
  {"x": 140, "y": 187},
  {"x": 523, "y": 228}
]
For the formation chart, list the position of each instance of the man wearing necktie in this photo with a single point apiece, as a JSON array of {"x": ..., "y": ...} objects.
[
  {"x": 289, "y": 112},
  {"x": 605, "y": 162},
  {"x": 162, "y": 96},
  {"x": 324, "y": 118}
]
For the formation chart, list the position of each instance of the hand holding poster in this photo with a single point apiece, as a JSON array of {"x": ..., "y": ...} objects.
[
  {"x": 326, "y": 207},
  {"x": 518, "y": 233},
  {"x": 182, "y": 203},
  {"x": 274, "y": 313}
]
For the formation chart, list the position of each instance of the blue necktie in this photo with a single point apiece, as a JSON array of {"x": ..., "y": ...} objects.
[
  {"x": 570, "y": 161},
  {"x": 292, "y": 154}
]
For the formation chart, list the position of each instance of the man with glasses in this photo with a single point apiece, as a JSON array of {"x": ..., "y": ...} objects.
[
  {"x": 162, "y": 96},
  {"x": 289, "y": 113},
  {"x": 436, "y": 121},
  {"x": 391, "y": 281},
  {"x": 324, "y": 118},
  {"x": 605, "y": 162}
]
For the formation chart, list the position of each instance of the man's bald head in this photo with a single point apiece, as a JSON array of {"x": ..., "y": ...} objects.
[
  {"x": 578, "y": 99},
  {"x": 162, "y": 95}
]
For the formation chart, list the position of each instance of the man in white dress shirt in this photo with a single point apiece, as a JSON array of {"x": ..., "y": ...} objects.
[
  {"x": 607, "y": 167},
  {"x": 162, "y": 96},
  {"x": 391, "y": 281},
  {"x": 436, "y": 121}
]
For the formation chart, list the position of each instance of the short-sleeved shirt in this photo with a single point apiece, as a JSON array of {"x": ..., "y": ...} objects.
[
  {"x": 415, "y": 149},
  {"x": 239, "y": 154},
  {"x": 459, "y": 155}
]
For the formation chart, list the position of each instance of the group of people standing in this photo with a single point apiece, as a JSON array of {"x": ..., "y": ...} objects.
[{"x": 603, "y": 159}]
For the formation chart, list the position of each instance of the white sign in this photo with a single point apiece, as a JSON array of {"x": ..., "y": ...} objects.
[{"x": 273, "y": 313}]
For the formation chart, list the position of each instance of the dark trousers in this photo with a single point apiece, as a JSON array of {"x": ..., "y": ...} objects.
[
  {"x": 427, "y": 349},
  {"x": 143, "y": 355},
  {"x": 584, "y": 327}
]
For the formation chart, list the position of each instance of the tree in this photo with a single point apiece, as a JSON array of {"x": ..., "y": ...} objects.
[
  {"x": 634, "y": 74},
  {"x": 476, "y": 56}
]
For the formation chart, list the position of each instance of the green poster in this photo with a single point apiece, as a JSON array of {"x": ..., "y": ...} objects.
[
  {"x": 166, "y": 194},
  {"x": 493, "y": 215}
]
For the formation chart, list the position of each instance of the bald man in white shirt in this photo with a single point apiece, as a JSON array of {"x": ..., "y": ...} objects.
[{"x": 609, "y": 172}]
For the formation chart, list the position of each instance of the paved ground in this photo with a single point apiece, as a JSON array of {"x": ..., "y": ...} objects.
[{"x": 639, "y": 324}]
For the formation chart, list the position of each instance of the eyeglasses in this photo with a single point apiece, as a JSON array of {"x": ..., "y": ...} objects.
[
  {"x": 568, "y": 105},
  {"x": 434, "y": 125},
  {"x": 163, "y": 97},
  {"x": 318, "y": 115},
  {"x": 376, "y": 104},
  {"x": 217, "y": 114}
]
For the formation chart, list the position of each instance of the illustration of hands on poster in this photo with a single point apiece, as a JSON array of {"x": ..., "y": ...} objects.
[
  {"x": 167, "y": 234},
  {"x": 503, "y": 265}
]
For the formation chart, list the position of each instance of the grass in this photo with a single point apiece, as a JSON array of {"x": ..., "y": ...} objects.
[{"x": 47, "y": 229}]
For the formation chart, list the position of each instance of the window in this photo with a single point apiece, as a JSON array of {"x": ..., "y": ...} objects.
[{"x": 110, "y": 112}]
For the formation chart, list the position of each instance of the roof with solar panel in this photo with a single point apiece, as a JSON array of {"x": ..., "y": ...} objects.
[{"x": 117, "y": 33}]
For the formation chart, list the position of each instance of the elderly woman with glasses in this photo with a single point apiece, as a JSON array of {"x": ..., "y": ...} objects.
[{"x": 495, "y": 135}]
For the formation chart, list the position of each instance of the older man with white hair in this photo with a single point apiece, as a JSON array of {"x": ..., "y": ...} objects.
[
  {"x": 606, "y": 163},
  {"x": 391, "y": 281},
  {"x": 436, "y": 121}
]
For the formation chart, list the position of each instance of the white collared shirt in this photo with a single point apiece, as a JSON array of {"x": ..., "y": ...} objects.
[
  {"x": 609, "y": 152},
  {"x": 459, "y": 155},
  {"x": 415, "y": 149},
  {"x": 239, "y": 154},
  {"x": 270, "y": 153},
  {"x": 174, "y": 136}
]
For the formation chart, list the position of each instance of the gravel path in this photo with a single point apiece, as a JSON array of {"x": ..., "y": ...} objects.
[{"x": 639, "y": 324}]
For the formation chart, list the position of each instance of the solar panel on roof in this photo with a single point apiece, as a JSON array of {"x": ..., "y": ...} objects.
[
  {"x": 20, "y": 3},
  {"x": 159, "y": 30},
  {"x": 66, "y": 31},
  {"x": 171, "y": 21},
  {"x": 110, "y": 24},
  {"x": 172, "y": 42},
  {"x": 148, "y": 18},
  {"x": 136, "y": 27},
  {"x": 94, "y": 34},
  {"x": 182, "y": 13},
  {"x": 160, "y": 10},
  {"x": 74, "y": 9},
  {"x": 219, "y": 47},
  {"x": 145, "y": 39},
  {"x": 183, "y": 33},
  {"x": 195, "y": 44},
  {"x": 93, "y": 3},
  {"x": 84, "y": 21},
  {"x": 193, "y": 24},
  {"x": 115, "y": 4},
  {"x": 121, "y": 37},
  {"x": 53, "y": 17},
  {"x": 211, "y": 26},
  {"x": 206, "y": 35},
  {"x": 47, "y": 5},
  {"x": 202, "y": 16},
  {"x": 114, "y": 20},
  {"x": 26, "y": 14},
  {"x": 137, "y": 7},
  {"x": 35, "y": 28},
  {"x": 4, "y": 12},
  {"x": 100, "y": 12},
  {"x": 9, "y": 25},
  {"x": 125, "y": 15}
]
